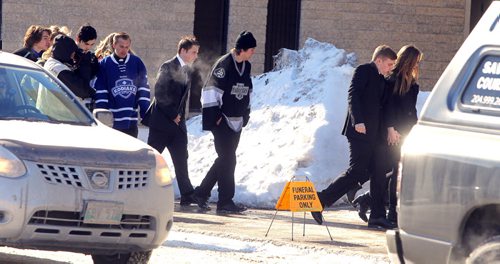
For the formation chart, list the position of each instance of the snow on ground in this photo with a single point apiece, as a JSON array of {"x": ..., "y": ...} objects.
[
  {"x": 295, "y": 127},
  {"x": 183, "y": 247}
]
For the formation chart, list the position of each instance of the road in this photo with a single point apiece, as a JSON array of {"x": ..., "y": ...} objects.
[{"x": 210, "y": 238}]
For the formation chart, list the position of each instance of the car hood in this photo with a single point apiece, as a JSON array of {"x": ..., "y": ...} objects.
[{"x": 65, "y": 135}]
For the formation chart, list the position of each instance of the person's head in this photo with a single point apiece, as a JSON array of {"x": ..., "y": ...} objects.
[
  {"x": 105, "y": 47},
  {"x": 37, "y": 38},
  {"x": 86, "y": 37},
  {"x": 384, "y": 58},
  {"x": 56, "y": 30},
  {"x": 245, "y": 45},
  {"x": 188, "y": 48},
  {"x": 64, "y": 49},
  {"x": 406, "y": 68},
  {"x": 121, "y": 44}
]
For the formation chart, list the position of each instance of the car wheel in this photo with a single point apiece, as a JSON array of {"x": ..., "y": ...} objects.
[
  {"x": 111, "y": 259},
  {"x": 486, "y": 252},
  {"x": 139, "y": 257}
]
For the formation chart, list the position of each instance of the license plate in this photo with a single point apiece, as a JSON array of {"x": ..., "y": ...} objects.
[{"x": 99, "y": 212}]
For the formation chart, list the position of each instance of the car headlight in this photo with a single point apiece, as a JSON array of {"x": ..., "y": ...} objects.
[
  {"x": 162, "y": 173},
  {"x": 10, "y": 165}
]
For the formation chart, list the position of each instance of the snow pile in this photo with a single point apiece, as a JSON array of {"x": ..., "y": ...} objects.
[{"x": 297, "y": 115}]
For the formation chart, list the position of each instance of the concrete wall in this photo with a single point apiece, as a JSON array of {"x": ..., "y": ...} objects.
[
  {"x": 155, "y": 26},
  {"x": 436, "y": 27},
  {"x": 250, "y": 15}
]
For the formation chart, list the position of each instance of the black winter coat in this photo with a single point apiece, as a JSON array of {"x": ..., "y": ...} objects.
[
  {"x": 366, "y": 97},
  {"x": 171, "y": 92},
  {"x": 401, "y": 110}
]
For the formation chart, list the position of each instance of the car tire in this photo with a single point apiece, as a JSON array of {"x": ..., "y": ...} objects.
[
  {"x": 138, "y": 257},
  {"x": 486, "y": 252}
]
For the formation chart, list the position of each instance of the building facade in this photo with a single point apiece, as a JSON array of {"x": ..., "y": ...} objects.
[{"x": 438, "y": 28}]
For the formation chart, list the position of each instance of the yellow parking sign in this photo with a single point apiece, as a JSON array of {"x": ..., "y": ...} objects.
[{"x": 299, "y": 196}]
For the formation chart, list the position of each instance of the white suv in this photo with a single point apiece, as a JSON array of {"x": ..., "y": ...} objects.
[{"x": 69, "y": 182}]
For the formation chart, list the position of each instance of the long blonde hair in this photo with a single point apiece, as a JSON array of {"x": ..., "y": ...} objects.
[
  {"x": 105, "y": 47},
  {"x": 406, "y": 68}
]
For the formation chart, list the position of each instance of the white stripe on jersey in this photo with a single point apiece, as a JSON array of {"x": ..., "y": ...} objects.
[
  {"x": 144, "y": 99},
  {"x": 211, "y": 96},
  {"x": 126, "y": 118},
  {"x": 101, "y": 91},
  {"x": 143, "y": 89},
  {"x": 114, "y": 110},
  {"x": 101, "y": 101}
]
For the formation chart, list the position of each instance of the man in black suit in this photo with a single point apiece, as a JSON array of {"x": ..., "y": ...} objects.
[
  {"x": 365, "y": 100},
  {"x": 166, "y": 114}
]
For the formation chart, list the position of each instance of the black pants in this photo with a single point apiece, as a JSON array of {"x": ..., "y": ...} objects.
[
  {"x": 131, "y": 131},
  {"x": 386, "y": 161},
  {"x": 222, "y": 171},
  {"x": 360, "y": 161},
  {"x": 175, "y": 140}
]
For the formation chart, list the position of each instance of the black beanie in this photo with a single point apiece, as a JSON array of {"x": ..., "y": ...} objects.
[{"x": 245, "y": 41}]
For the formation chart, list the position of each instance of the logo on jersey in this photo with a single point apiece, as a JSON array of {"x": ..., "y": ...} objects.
[
  {"x": 124, "y": 88},
  {"x": 240, "y": 90},
  {"x": 219, "y": 73}
]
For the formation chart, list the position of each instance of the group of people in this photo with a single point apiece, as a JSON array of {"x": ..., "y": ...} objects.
[
  {"x": 382, "y": 101},
  {"x": 115, "y": 78},
  {"x": 381, "y": 109},
  {"x": 226, "y": 110}
]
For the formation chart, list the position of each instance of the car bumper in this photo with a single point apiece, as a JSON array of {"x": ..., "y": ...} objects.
[
  {"x": 38, "y": 214},
  {"x": 394, "y": 248}
]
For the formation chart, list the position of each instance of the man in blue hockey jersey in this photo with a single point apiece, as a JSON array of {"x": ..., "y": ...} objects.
[
  {"x": 226, "y": 109},
  {"x": 122, "y": 86}
]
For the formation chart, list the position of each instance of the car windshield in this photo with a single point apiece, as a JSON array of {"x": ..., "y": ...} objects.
[{"x": 32, "y": 95}]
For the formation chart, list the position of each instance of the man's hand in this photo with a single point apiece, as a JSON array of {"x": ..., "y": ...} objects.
[
  {"x": 360, "y": 128},
  {"x": 177, "y": 120},
  {"x": 393, "y": 136}
]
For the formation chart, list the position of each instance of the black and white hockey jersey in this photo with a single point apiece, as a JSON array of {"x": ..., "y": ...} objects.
[{"x": 227, "y": 94}]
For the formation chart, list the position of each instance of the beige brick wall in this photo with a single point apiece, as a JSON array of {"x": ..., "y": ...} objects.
[
  {"x": 250, "y": 15},
  {"x": 154, "y": 25},
  {"x": 436, "y": 27}
]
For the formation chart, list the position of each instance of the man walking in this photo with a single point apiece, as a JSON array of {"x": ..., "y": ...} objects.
[
  {"x": 166, "y": 116},
  {"x": 366, "y": 97},
  {"x": 226, "y": 109},
  {"x": 122, "y": 86}
]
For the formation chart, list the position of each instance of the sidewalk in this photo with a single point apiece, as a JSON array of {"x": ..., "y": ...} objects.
[{"x": 349, "y": 233}]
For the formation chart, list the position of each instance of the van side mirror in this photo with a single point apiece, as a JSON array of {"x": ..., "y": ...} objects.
[{"x": 104, "y": 115}]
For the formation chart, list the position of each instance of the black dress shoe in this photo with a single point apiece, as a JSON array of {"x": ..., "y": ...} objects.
[
  {"x": 381, "y": 223},
  {"x": 187, "y": 200},
  {"x": 393, "y": 217},
  {"x": 364, "y": 204},
  {"x": 201, "y": 202},
  {"x": 230, "y": 208},
  {"x": 318, "y": 217}
]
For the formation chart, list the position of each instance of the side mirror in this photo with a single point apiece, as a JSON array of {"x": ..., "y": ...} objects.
[{"x": 104, "y": 115}]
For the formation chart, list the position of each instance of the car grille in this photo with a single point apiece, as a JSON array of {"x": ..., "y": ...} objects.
[
  {"x": 60, "y": 174},
  {"x": 79, "y": 177},
  {"x": 131, "y": 179},
  {"x": 75, "y": 219}
]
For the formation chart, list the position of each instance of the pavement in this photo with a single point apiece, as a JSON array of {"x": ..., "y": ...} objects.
[{"x": 349, "y": 234}]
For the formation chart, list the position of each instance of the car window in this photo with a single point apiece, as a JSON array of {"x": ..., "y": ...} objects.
[
  {"x": 33, "y": 95},
  {"x": 483, "y": 90}
]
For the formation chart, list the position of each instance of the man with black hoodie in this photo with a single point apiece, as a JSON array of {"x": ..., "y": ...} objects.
[{"x": 62, "y": 64}]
